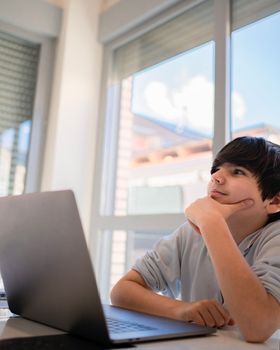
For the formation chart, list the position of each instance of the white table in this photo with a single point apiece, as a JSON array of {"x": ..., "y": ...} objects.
[{"x": 225, "y": 339}]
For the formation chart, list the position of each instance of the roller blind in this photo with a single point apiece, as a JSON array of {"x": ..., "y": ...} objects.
[
  {"x": 245, "y": 12},
  {"x": 190, "y": 29},
  {"x": 18, "y": 73},
  {"x": 184, "y": 32}
]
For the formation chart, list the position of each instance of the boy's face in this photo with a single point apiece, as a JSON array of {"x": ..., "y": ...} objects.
[{"x": 232, "y": 183}]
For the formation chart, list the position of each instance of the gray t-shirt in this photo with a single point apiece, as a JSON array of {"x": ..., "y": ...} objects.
[{"x": 180, "y": 267}]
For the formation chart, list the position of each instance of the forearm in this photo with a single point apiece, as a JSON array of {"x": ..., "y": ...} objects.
[
  {"x": 131, "y": 292},
  {"x": 136, "y": 296},
  {"x": 245, "y": 297}
]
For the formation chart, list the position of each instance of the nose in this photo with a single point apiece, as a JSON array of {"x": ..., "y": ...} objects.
[{"x": 218, "y": 177}]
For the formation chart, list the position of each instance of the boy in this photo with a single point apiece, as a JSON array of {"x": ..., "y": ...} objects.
[{"x": 224, "y": 262}]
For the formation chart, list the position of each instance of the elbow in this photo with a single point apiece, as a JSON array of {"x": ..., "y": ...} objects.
[
  {"x": 115, "y": 296},
  {"x": 119, "y": 294},
  {"x": 257, "y": 333},
  {"x": 255, "y": 338},
  {"x": 112, "y": 296},
  {"x": 259, "y": 325}
]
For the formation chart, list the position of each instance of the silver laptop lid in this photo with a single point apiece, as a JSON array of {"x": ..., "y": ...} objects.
[{"x": 45, "y": 263}]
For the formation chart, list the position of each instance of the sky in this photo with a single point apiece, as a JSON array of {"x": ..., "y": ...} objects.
[{"x": 181, "y": 89}]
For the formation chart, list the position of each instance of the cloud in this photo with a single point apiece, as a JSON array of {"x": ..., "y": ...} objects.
[
  {"x": 239, "y": 107},
  {"x": 196, "y": 101},
  {"x": 191, "y": 105},
  {"x": 159, "y": 100}
]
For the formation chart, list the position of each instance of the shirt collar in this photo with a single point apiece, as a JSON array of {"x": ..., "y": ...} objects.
[{"x": 248, "y": 241}]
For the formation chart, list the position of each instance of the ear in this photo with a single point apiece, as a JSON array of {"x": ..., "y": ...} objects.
[{"x": 273, "y": 205}]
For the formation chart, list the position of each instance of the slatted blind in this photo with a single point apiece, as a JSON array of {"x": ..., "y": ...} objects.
[
  {"x": 190, "y": 29},
  {"x": 245, "y": 12},
  {"x": 184, "y": 32},
  {"x": 18, "y": 71}
]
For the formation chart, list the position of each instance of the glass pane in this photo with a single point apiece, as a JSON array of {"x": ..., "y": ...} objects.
[
  {"x": 165, "y": 137},
  {"x": 256, "y": 79},
  {"x": 14, "y": 147}
]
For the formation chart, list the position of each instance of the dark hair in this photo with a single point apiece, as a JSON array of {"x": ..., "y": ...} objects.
[{"x": 260, "y": 157}]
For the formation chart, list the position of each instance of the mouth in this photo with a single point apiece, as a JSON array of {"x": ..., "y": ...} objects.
[{"x": 216, "y": 194}]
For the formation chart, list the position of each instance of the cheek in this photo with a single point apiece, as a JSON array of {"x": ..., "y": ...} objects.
[
  {"x": 240, "y": 195},
  {"x": 248, "y": 193},
  {"x": 244, "y": 191}
]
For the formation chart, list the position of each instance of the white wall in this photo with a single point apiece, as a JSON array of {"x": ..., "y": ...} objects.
[
  {"x": 70, "y": 146},
  {"x": 37, "y": 17}
]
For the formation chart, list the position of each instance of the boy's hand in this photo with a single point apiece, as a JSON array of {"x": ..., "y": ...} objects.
[
  {"x": 206, "y": 312},
  {"x": 208, "y": 210}
]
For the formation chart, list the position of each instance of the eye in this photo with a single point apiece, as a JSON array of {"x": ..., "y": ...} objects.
[{"x": 239, "y": 171}]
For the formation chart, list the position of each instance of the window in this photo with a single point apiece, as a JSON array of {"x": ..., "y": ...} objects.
[
  {"x": 164, "y": 145},
  {"x": 25, "y": 80},
  {"x": 255, "y": 81},
  {"x": 158, "y": 156},
  {"x": 18, "y": 73},
  {"x": 166, "y": 89}
]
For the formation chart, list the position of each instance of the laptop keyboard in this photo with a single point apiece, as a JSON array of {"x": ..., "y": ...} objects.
[{"x": 119, "y": 326}]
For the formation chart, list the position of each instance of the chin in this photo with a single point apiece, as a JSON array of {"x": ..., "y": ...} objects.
[
  {"x": 219, "y": 199},
  {"x": 225, "y": 200}
]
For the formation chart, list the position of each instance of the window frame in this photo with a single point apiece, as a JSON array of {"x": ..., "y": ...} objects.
[
  {"x": 40, "y": 104},
  {"x": 100, "y": 244}
]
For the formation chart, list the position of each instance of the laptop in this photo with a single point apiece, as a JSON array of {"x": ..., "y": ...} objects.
[{"x": 48, "y": 275}]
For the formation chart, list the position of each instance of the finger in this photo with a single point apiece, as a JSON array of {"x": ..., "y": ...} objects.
[
  {"x": 198, "y": 319},
  {"x": 220, "y": 315},
  {"x": 224, "y": 313},
  {"x": 195, "y": 317},
  {"x": 207, "y": 317}
]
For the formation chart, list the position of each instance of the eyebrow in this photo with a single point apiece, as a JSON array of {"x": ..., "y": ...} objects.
[
  {"x": 234, "y": 165},
  {"x": 248, "y": 171}
]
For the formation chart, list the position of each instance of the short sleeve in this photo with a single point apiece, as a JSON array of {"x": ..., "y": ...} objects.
[
  {"x": 161, "y": 267},
  {"x": 267, "y": 264}
]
